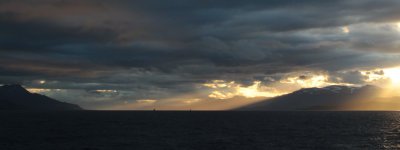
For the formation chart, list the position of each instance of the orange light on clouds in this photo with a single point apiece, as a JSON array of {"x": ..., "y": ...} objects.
[
  {"x": 219, "y": 84},
  {"x": 35, "y": 90},
  {"x": 393, "y": 74},
  {"x": 253, "y": 91},
  {"x": 114, "y": 91},
  {"x": 398, "y": 26},
  {"x": 390, "y": 77},
  {"x": 345, "y": 30},
  {"x": 315, "y": 81},
  {"x": 226, "y": 90}
]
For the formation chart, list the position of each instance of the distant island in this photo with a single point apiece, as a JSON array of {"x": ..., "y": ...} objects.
[
  {"x": 15, "y": 97},
  {"x": 328, "y": 98}
]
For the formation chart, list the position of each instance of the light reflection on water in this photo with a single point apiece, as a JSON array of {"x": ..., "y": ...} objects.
[{"x": 390, "y": 131}]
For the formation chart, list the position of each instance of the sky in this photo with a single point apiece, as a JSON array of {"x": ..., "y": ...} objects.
[{"x": 204, "y": 55}]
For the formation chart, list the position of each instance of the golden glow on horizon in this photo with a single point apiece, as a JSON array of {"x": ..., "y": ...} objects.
[
  {"x": 147, "y": 101},
  {"x": 386, "y": 78},
  {"x": 191, "y": 101},
  {"x": 42, "y": 82},
  {"x": 222, "y": 94},
  {"x": 398, "y": 25}
]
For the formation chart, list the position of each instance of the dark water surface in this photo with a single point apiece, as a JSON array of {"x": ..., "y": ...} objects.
[{"x": 92, "y": 130}]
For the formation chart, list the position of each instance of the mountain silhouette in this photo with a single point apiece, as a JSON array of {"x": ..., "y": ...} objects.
[
  {"x": 15, "y": 97},
  {"x": 328, "y": 98}
]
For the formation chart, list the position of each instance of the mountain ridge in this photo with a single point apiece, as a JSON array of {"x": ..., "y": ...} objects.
[
  {"x": 335, "y": 97},
  {"x": 15, "y": 97}
]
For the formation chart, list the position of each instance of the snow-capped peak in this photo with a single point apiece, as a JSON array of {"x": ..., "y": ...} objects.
[{"x": 334, "y": 89}]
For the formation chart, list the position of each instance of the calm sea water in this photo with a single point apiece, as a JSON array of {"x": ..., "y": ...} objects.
[{"x": 92, "y": 130}]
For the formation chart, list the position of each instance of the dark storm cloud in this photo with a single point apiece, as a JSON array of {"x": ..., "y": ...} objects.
[
  {"x": 40, "y": 35},
  {"x": 352, "y": 77},
  {"x": 172, "y": 46}
]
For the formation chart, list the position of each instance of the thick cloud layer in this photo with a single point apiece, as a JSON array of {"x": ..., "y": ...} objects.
[{"x": 162, "y": 49}]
